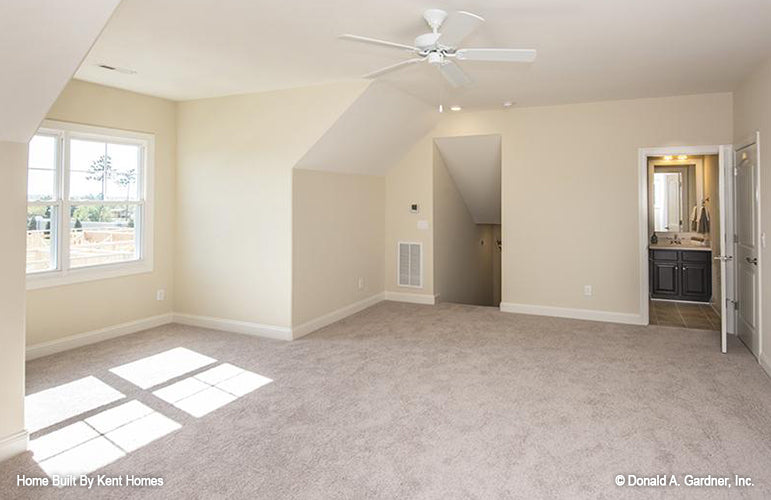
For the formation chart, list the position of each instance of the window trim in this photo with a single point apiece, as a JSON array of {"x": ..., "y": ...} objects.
[{"x": 144, "y": 264}]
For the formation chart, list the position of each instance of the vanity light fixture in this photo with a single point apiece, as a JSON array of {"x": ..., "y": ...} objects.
[
  {"x": 682, "y": 157},
  {"x": 668, "y": 157}
]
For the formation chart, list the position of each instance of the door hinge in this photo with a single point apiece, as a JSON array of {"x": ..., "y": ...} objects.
[
  {"x": 736, "y": 238},
  {"x": 736, "y": 171}
]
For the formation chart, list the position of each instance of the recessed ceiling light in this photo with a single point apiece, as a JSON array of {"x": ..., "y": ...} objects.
[
  {"x": 508, "y": 104},
  {"x": 125, "y": 71},
  {"x": 455, "y": 108},
  {"x": 682, "y": 157}
]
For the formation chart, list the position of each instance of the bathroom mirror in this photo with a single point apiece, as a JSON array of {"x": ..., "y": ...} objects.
[{"x": 674, "y": 192}]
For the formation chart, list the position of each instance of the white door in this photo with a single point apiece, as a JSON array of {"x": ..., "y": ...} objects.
[
  {"x": 747, "y": 244},
  {"x": 727, "y": 251}
]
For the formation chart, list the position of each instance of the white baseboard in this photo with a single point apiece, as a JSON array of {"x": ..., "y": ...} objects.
[
  {"x": 562, "y": 312},
  {"x": 328, "y": 319},
  {"x": 13, "y": 445},
  {"x": 235, "y": 326},
  {"x": 94, "y": 336},
  {"x": 412, "y": 298},
  {"x": 765, "y": 364}
]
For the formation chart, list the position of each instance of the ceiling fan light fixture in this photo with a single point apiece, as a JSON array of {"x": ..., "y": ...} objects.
[{"x": 508, "y": 104}]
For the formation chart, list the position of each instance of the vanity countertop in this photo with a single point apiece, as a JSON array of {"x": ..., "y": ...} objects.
[{"x": 667, "y": 246}]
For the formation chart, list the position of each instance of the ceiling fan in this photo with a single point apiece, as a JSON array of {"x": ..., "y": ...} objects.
[{"x": 440, "y": 47}]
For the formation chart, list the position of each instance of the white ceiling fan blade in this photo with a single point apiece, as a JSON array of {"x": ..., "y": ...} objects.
[
  {"x": 496, "y": 55},
  {"x": 375, "y": 41},
  {"x": 454, "y": 74},
  {"x": 457, "y": 27},
  {"x": 393, "y": 67}
]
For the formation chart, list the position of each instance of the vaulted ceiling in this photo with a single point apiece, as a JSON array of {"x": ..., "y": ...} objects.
[
  {"x": 42, "y": 42},
  {"x": 587, "y": 51},
  {"x": 474, "y": 163}
]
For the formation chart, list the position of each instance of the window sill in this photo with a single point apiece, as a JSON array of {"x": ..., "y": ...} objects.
[{"x": 60, "y": 278}]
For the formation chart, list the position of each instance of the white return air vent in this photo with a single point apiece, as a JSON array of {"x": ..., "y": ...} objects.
[{"x": 410, "y": 264}]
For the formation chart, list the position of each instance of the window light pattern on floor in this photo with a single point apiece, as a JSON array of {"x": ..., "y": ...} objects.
[
  {"x": 96, "y": 441},
  {"x": 57, "y": 404},
  {"x": 214, "y": 388},
  {"x": 162, "y": 367}
]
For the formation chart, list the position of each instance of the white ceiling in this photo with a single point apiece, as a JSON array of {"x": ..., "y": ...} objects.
[
  {"x": 474, "y": 163},
  {"x": 372, "y": 134},
  {"x": 42, "y": 42},
  {"x": 587, "y": 51}
]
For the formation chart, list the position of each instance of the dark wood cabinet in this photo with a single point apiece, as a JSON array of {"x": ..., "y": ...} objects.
[{"x": 681, "y": 275}]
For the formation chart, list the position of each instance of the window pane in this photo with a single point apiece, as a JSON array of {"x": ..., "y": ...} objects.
[
  {"x": 84, "y": 186},
  {"x": 88, "y": 164},
  {"x": 42, "y": 152},
  {"x": 104, "y": 171},
  {"x": 41, "y": 168},
  {"x": 103, "y": 234},
  {"x": 122, "y": 181},
  {"x": 41, "y": 238},
  {"x": 41, "y": 185}
]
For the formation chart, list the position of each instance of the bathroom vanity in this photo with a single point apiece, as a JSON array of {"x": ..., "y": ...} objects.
[{"x": 680, "y": 272}]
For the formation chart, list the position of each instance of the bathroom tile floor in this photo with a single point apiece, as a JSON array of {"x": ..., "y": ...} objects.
[{"x": 684, "y": 315}]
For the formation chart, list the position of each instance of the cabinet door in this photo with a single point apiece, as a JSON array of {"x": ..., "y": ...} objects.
[
  {"x": 665, "y": 279},
  {"x": 696, "y": 280}
]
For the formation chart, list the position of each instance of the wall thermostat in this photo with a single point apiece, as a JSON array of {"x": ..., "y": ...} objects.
[{"x": 415, "y": 208}]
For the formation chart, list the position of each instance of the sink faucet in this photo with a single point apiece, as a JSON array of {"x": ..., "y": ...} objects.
[{"x": 676, "y": 240}]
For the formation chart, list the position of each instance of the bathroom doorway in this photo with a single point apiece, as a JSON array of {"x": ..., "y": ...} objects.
[{"x": 686, "y": 215}]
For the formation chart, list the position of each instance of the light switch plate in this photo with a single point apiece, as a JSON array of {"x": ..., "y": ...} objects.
[{"x": 423, "y": 224}]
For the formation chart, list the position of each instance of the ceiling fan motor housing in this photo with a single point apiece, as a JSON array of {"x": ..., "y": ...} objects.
[{"x": 426, "y": 41}]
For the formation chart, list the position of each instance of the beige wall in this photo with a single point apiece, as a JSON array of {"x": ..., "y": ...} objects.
[
  {"x": 570, "y": 191},
  {"x": 462, "y": 266},
  {"x": 752, "y": 112},
  {"x": 56, "y": 312},
  {"x": 234, "y": 198},
  {"x": 13, "y": 208},
  {"x": 411, "y": 181},
  {"x": 338, "y": 227}
]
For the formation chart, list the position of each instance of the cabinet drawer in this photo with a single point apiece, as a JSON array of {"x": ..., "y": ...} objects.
[
  {"x": 696, "y": 256},
  {"x": 664, "y": 254}
]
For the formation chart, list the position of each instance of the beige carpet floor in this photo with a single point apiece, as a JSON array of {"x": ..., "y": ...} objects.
[{"x": 451, "y": 401}]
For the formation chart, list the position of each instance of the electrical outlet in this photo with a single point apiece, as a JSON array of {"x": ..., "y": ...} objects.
[
  {"x": 160, "y": 295},
  {"x": 588, "y": 290},
  {"x": 361, "y": 283}
]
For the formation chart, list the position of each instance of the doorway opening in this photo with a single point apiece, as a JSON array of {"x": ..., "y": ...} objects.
[
  {"x": 686, "y": 215},
  {"x": 468, "y": 238}
]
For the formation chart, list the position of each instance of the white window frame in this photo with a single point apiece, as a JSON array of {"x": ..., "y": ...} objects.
[{"x": 62, "y": 274}]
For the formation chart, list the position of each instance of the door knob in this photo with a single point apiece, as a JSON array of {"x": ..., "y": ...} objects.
[{"x": 753, "y": 260}]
